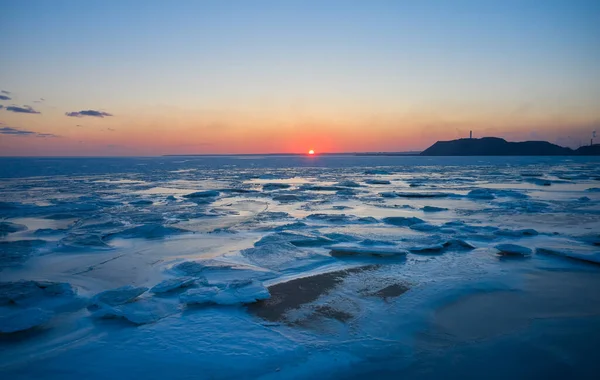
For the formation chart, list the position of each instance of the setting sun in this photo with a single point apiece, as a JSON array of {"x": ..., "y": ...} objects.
[{"x": 311, "y": 152}]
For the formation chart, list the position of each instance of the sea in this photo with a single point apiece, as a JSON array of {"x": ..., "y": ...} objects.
[{"x": 299, "y": 267}]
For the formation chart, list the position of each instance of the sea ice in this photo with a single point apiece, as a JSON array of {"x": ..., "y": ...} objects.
[
  {"x": 202, "y": 194},
  {"x": 141, "y": 202},
  {"x": 347, "y": 183},
  {"x": 340, "y": 251},
  {"x": 83, "y": 240},
  {"x": 402, "y": 221},
  {"x": 310, "y": 187},
  {"x": 15, "y": 252},
  {"x": 275, "y": 186},
  {"x": 239, "y": 292},
  {"x": 377, "y": 182},
  {"x": 147, "y": 231},
  {"x": 8, "y": 227},
  {"x": 428, "y": 249},
  {"x": 140, "y": 312},
  {"x": 513, "y": 250},
  {"x": 423, "y": 227},
  {"x": 287, "y": 198},
  {"x": 438, "y": 248},
  {"x": 433, "y": 209},
  {"x": 484, "y": 194},
  {"x": 278, "y": 256},
  {"x": 118, "y": 296},
  {"x": 588, "y": 257},
  {"x": 172, "y": 284},
  {"x": 421, "y": 195},
  {"x": 516, "y": 233},
  {"x": 199, "y": 296},
  {"x": 23, "y": 319},
  {"x": 340, "y": 218},
  {"x": 25, "y": 292},
  {"x": 297, "y": 239}
]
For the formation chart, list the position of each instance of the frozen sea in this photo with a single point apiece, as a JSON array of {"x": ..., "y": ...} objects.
[{"x": 293, "y": 267}]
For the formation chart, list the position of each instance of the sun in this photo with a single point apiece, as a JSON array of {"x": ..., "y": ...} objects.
[{"x": 311, "y": 152}]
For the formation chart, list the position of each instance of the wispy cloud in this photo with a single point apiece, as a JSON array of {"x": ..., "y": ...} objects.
[
  {"x": 92, "y": 113},
  {"x": 40, "y": 100},
  {"x": 5, "y": 92},
  {"x": 1, "y": 106},
  {"x": 24, "y": 109},
  {"x": 14, "y": 131},
  {"x": 21, "y": 132},
  {"x": 48, "y": 135},
  {"x": 4, "y": 97}
]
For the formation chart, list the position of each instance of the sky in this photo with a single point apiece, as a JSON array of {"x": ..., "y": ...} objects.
[{"x": 126, "y": 77}]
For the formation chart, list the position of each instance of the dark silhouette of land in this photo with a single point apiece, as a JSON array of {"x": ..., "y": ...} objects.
[
  {"x": 485, "y": 146},
  {"x": 494, "y": 146}
]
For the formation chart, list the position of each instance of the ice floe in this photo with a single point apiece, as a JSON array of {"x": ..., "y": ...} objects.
[
  {"x": 23, "y": 319},
  {"x": 34, "y": 293},
  {"x": 275, "y": 186},
  {"x": 513, "y": 250},
  {"x": 279, "y": 255},
  {"x": 8, "y": 227},
  {"x": 118, "y": 296},
  {"x": 348, "y": 183},
  {"x": 404, "y": 194},
  {"x": 516, "y": 233},
  {"x": 590, "y": 257},
  {"x": 172, "y": 284},
  {"x": 433, "y": 209},
  {"x": 377, "y": 182},
  {"x": 140, "y": 312},
  {"x": 238, "y": 292},
  {"x": 402, "y": 221},
  {"x": 202, "y": 194},
  {"x": 147, "y": 231},
  {"x": 347, "y": 250}
]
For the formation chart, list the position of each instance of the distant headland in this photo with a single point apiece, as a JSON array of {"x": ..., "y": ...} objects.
[
  {"x": 495, "y": 146},
  {"x": 485, "y": 146}
]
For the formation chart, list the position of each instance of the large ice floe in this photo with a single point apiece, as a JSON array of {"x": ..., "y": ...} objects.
[{"x": 278, "y": 267}]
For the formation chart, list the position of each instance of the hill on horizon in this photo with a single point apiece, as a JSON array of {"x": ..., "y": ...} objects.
[{"x": 496, "y": 146}]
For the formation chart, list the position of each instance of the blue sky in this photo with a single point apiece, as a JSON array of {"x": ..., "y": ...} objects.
[{"x": 348, "y": 72}]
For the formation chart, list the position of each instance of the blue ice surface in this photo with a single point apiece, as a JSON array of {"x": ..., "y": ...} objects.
[{"x": 466, "y": 313}]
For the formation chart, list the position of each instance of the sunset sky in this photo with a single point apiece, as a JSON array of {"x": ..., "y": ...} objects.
[{"x": 135, "y": 77}]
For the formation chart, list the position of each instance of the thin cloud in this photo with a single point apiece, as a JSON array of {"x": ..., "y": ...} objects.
[
  {"x": 1, "y": 106},
  {"x": 21, "y": 132},
  {"x": 14, "y": 131},
  {"x": 92, "y": 113},
  {"x": 24, "y": 109},
  {"x": 47, "y": 135},
  {"x": 40, "y": 100},
  {"x": 5, "y": 92},
  {"x": 4, "y": 97}
]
